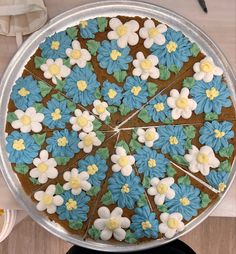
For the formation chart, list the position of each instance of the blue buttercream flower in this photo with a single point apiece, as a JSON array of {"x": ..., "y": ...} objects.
[
  {"x": 111, "y": 93},
  {"x": 74, "y": 208},
  {"x": 25, "y": 92},
  {"x": 55, "y": 46},
  {"x": 210, "y": 97},
  {"x": 216, "y": 135},
  {"x": 175, "y": 51},
  {"x": 151, "y": 163},
  {"x": 126, "y": 190},
  {"x": 171, "y": 140},
  {"x": 88, "y": 28},
  {"x": 218, "y": 179},
  {"x": 187, "y": 201},
  {"x": 113, "y": 58},
  {"x": 81, "y": 85},
  {"x": 144, "y": 223},
  {"x": 96, "y": 167},
  {"x": 158, "y": 108},
  {"x": 56, "y": 115},
  {"x": 135, "y": 92},
  {"x": 63, "y": 143},
  {"x": 21, "y": 147}
]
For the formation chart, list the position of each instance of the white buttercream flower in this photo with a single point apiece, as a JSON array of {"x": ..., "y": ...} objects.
[
  {"x": 100, "y": 109},
  {"x": 180, "y": 103},
  {"x": 111, "y": 223},
  {"x": 88, "y": 140},
  {"x": 28, "y": 121},
  {"x": 55, "y": 69},
  {"x": 123, "y": 162},
  {"x": 77, "y": 55},
  {"x": 82, "y": 121},
  {"x": 44, "y": 167},
  {"x": 161, "y": 189},
  {"x": 201, "y": 160},
  {"x": 171, "y": 224},
  {"x": 48, "y": 200},
  {"x": 152, "y": 34},
  {"x": 76, "y": 182},
  {"x": 124, "y": 33},
  {"x": 206, "y": 69},
  {"x": 145, "y": 67},
  {"x": 148, "y": 136}
]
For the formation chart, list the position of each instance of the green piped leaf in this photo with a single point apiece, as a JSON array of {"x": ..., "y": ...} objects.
[
  {"x": 107, "y": 199},
  {"x": 174, "y": 68},
  {"x": 98, "y": 94},
  {"x": 58, "y": 97},
  {"x": 39, "y": 138},
  {"x": 38, "y": 61},
  {"x": 102, "y": 24},
  {"x": 93, "y": 191},
  {"x": 62, "y": 160},
  {"x": 90, "y": 66},
  {"x": 112, "y": 109},
  {"x": 38, "y": 107},
  {"x": 226, "y": 151},
  {"x": 66, "y": 62},
  {"x": 184, "y": 180},
  {"x": 211, "y": 116},
  {"x": 11, "y": 116},
  {"x": 93, "y": 46},
  {"x": 59, "y": 189},
  {"x": 76, "y": 225},
  {"x": 168, "y": 120},
  {"x": 123, "y": 144},
  {"x": 194, "y": 49},
  {"x": 34, "y": 181},
  {"x": 60, "y": 84},
  {"x": 190, "y": 131},
  {"x": 134, "y": 145},
  {"x": 142, "y": 201},
  {"x": 162, "y": 208},
  {"x": 134, "y": 133},
  {"x": 146, "y": 182},
  {"x": 129, "y": 237},
  {"x": 100, "y": 135},
  {"x": 143, "y": 115},
  {"x": 96, "y": 124},
  {"x": 189, "y": 82},
  {"x": 107, "y": 120},
  {"x": 120, "y": 75},
  {"x": 45, "y": 89},
  {"x": 103, "y": 153},
  {"x": 124, "y": 110},
  {"x": 164, "y": 72},
  {"x": 170, "y": 171},
  {"x": 188, "y": 144},
  {"x": 71, "y": 105},
  {"x": 94, "y": 233},
  {"x": 205, "y": 200},
  {"x": 180, "y": 160},
  {"x": 21, "y": 169},
  {"x": 225, "y": 166},
  {"x": 72, "y": 32},
  {"x": 152, "y": 88}
]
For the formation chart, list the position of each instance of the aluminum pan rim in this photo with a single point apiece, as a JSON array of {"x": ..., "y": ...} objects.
[{"x": 69, "y": 18}]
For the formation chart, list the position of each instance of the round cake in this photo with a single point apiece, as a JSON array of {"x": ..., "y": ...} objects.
[{"x": 121, "y": 129}]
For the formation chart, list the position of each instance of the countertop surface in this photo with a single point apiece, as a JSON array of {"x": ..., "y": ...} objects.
[{"x": 219, "y": 24}]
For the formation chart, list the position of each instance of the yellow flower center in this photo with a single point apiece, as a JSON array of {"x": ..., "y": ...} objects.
[
  {"x": 173, "y": 223},
  {"x": 23, "y": 92},
  {"x": 19, "y": 144},
  {"x": 71, "y": 204},
  {"x": 206, "y": 67},
  {"x": 212, "y": 93},
  {"x": 146, "y": 225},
  {"x": 1, "y": 212},
  {"x": 81, "y": 85},
  {"x": 115, "y": 54},
  {"x": 56, "y": 115},
  {"x": 62, "y": 141},
  {"x": 113, "y": 223},
  {"x": 182, "y": 102},
  {"x": 47, "y": 199},
  {"x": 159, "y": 107},
  {"x": 202, "y": 158},
  {"x": 88, "y": 140},
  {"x": 74, "y": 182},
  {"x": 83, "y": 23},
  {"x": 152, "y": 163},
  {"x": 54, "y": 69},
  {"x": 221, "y": 187},
  {"x": 55, "y": 45},
  {"x": 123, "y": 161},
  {"x": 112, "y": 93},
  {"x": 82, "y": 121},
  {"x": 184, "y": 201},
  {"x": 136, "y": 90},
  {"x": 125, "y": 188},
  {"x": 219, "y": 134},
  {"x": 121, "y": 30},
  {"x": 153, "y": 32},
  {"x": 146, "y": 64},
  {"x": 171, "y": 46},
  {"x": 42, "y": 167},
  {"x": 162, "y": 188},
  {"x": 75, "y": 54},
  {"x": 150, "y": 135},
  {"x": 173, "y": 140},
  {"x": 92, "y": 169},
  {"x": 100, "y": 109},
  {"x": 26, "y": 120}
]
